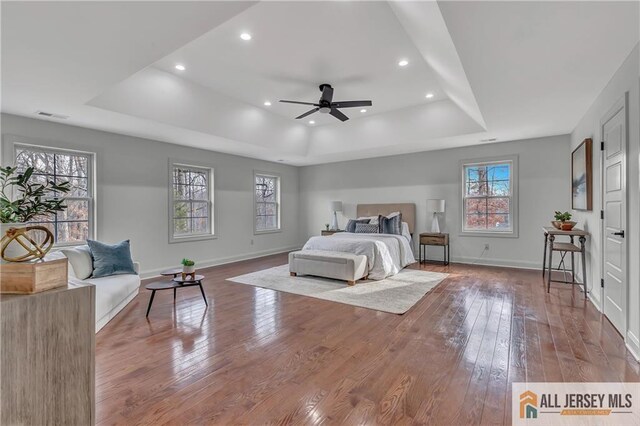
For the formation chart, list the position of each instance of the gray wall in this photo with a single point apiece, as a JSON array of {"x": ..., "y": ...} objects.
[
  {"x": 626, "y": 80},
  {"x": 132, "y": 194},
  {"x": 544, "y": 186}
]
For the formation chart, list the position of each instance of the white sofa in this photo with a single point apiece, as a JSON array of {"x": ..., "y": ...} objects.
[{"x": 112, "y": 293}]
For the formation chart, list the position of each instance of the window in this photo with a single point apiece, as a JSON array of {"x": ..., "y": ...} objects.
[
  {"x": 191, "y": 196},
  {"x": 267, "y": 203},
  {"x": 76, "y": 223},
  {"x": 489, "y": 204}
]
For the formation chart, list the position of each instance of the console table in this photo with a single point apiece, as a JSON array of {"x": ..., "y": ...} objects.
[{"x": 550, "y": 244}]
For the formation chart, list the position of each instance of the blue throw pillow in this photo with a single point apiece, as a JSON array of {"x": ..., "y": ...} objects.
[
  {"x": 111, "y": 259},
  {"x": 390, "y": 225},
  {"x": 351, "y": 225}
]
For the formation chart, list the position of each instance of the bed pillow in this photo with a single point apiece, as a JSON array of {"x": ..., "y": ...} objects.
[
  {"x": 111, "y": 259},
  {"x": 351, "y": 225},
  {"x": 367, "y": 228},
  {"x": 390, "y": 225},
  {"x": 372, "y": 219},
  {"x": 80, "y": 261}
]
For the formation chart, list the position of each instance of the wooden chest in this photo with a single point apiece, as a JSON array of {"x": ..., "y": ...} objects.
[{"x": 33, "y": 277}]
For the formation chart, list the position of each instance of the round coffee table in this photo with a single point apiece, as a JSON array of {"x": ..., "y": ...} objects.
[{"x": 176, "y": 283}]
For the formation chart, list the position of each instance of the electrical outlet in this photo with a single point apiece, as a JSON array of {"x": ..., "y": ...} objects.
[{"x": 486, "y": 246}]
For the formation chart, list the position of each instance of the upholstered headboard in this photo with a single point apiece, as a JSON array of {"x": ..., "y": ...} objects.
[{"x": 408, "y": 211}]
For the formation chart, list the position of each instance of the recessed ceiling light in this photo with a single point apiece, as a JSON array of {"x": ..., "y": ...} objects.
[
  {"x": 429, "y": 95},
  {"x": 363, "y": 111},
  {"x": 403, "y": 63},
  {"x": 312, "y": 122},
  {"x": 245, "y": 36},
  {"x": 180, "y": 67},
  {"x": 267, "y": 103}
]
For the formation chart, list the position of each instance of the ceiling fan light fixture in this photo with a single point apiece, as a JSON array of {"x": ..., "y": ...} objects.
[{"x": 325, "y": 109}]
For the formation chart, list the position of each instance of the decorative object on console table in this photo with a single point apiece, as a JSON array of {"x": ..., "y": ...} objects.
[
  {"x": 47, "y": 358},
  {"x": 336, "y": 206},
  {"x": 33, "y": 277},
  {"x": 563, "y": 221},
  {"x": 581, "y": 176},
  {"x": 434, "y": 239},
  {"x": 22, "y": 201},
  {"x": 435, "y": 206}
]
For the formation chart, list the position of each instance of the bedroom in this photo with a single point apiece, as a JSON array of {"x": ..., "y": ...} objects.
[{"x": 453, "y": 86}]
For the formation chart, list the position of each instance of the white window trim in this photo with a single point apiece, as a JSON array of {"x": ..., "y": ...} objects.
[
  {"x": 513, "y": 233},
  {"x": 279, "y": 201},
  {"x": 16, "y": 142},
  {"x": 212, "y": 202}
]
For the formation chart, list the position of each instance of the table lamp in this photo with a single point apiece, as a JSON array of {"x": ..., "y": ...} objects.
[
  {"x": 435, "y": 206},
  {"x": 336, "y": 206}
]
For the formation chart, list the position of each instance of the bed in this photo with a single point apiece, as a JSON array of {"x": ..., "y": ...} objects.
[{"x": 386, "y": 254}]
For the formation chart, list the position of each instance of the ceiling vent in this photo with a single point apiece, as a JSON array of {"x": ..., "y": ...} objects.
[
  {"x": 489, "y": 140},
  {"x": 51, "y": 115}
]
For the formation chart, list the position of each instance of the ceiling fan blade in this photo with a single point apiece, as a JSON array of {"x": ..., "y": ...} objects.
[
  {"x": 297, "y": 102},
  {"x": 338, "y": 114},
  {"x": 307, "y": 113},
  {"x": 350, "y": 104},
  {"x": 327, "y": 94}
]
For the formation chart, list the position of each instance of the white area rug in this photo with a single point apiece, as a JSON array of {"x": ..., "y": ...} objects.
[{"x": 396, "y": 294}]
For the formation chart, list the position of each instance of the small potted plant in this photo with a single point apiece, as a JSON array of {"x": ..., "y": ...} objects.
[
  {"x": 326, "y": 225},
  {"x": 563, "y": 221},
  {"x": 188, "y": 266}
]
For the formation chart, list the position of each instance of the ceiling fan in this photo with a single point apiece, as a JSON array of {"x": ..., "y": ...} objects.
[{"x": 326, "y": 105}]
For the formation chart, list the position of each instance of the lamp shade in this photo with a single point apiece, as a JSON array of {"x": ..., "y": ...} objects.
[
  {"x": 436, "y": 206},
  {"x": 336, "y": 206}
]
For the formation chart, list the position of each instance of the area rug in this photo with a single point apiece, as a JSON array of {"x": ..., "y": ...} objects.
[{"x": 396, "y": 294}]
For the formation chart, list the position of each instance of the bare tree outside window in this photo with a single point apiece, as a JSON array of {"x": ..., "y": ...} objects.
[
  {"x": 75, "y": 224},
  {"x": 488, "y": 197},
  {"x": 267, "y": 203},
  {"x": 191, "y": 194}
]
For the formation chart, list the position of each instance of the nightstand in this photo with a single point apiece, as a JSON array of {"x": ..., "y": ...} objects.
[
  {"x": 432, "y": 239},
  {"x": 326, "y": 232}
]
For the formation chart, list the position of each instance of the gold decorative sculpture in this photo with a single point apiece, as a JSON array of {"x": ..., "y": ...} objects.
[{"x": 32, "y": 249}]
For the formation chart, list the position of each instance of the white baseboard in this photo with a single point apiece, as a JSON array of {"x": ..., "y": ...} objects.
[
  {"x": 223, "y": 260},
  {"x": 633, "y": 345},
  {"x": 505, "y": 263}
]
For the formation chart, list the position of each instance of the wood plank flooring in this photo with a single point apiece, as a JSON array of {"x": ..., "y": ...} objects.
[{"x": 257, "y": 356}]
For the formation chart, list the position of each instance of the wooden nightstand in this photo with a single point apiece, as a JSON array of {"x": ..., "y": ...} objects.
[
  {"x": 326, "y": 232},
  {"x": 431, "y": 239}
]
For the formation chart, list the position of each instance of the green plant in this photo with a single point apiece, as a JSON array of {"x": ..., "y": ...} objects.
[
  {"x": 562, "y": 217},
  {"x": 188, "y": 262},
  {"x": 31, "y": 200},
  {"x": 326, "y": 225}
]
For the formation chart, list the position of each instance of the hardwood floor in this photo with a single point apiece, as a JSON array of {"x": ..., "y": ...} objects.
[{"x": 258, "y": 356}]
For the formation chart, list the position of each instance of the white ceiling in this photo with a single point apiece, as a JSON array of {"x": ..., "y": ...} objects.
[{"x": 509, "y": 70}]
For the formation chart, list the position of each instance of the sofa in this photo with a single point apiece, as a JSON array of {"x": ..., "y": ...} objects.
[{"x": 113, "y": 293}]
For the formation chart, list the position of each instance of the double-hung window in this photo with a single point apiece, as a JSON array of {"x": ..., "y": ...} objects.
[
  {"x": 191, "y": 210},
  {"x": 76, "y": 224},
  {"x": 489, "y": 197},
  {"x": 266, "y": 202}
]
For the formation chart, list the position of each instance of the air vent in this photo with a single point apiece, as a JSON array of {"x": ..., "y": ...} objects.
[
  {"x": 51, "y": 115},
  {"x": 489, "y": 140}
]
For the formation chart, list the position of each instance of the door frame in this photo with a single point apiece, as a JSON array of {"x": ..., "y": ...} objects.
[{"x": 622, "y": 103}]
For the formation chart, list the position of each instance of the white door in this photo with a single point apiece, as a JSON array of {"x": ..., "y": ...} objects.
[{"x": 614, "y": 196}]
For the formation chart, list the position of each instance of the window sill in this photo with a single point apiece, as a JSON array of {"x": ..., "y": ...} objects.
[
  {"x": 270, "y": 231},
  {"x": 192, "y": 238},
  {"x": 511, "y": 234}
]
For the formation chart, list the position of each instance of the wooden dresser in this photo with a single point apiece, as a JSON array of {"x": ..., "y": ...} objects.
[{"x": 47, "y": 357}]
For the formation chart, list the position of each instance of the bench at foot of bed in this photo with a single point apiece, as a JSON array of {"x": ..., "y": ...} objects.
[{"x": 329, "y": 264}]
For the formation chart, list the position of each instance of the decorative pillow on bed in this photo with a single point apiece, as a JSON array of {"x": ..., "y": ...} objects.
[
  {"x": 351, "y": 225},
  {"x": 390, "y": 225},
  {"x": 372, "y": 219},
  {"x": 367, "y": 228}
]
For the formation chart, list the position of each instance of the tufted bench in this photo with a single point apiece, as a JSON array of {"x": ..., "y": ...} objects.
[{"x": 329, "y": 264}]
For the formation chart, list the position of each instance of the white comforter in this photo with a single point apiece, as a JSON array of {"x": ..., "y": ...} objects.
[{"x": 386, "y": 254}]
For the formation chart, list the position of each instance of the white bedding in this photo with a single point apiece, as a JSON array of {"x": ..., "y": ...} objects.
[{"x": 386, "y": 254}]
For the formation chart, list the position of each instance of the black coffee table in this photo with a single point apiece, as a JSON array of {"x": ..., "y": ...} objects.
[{"x": 175, "y": 283}]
